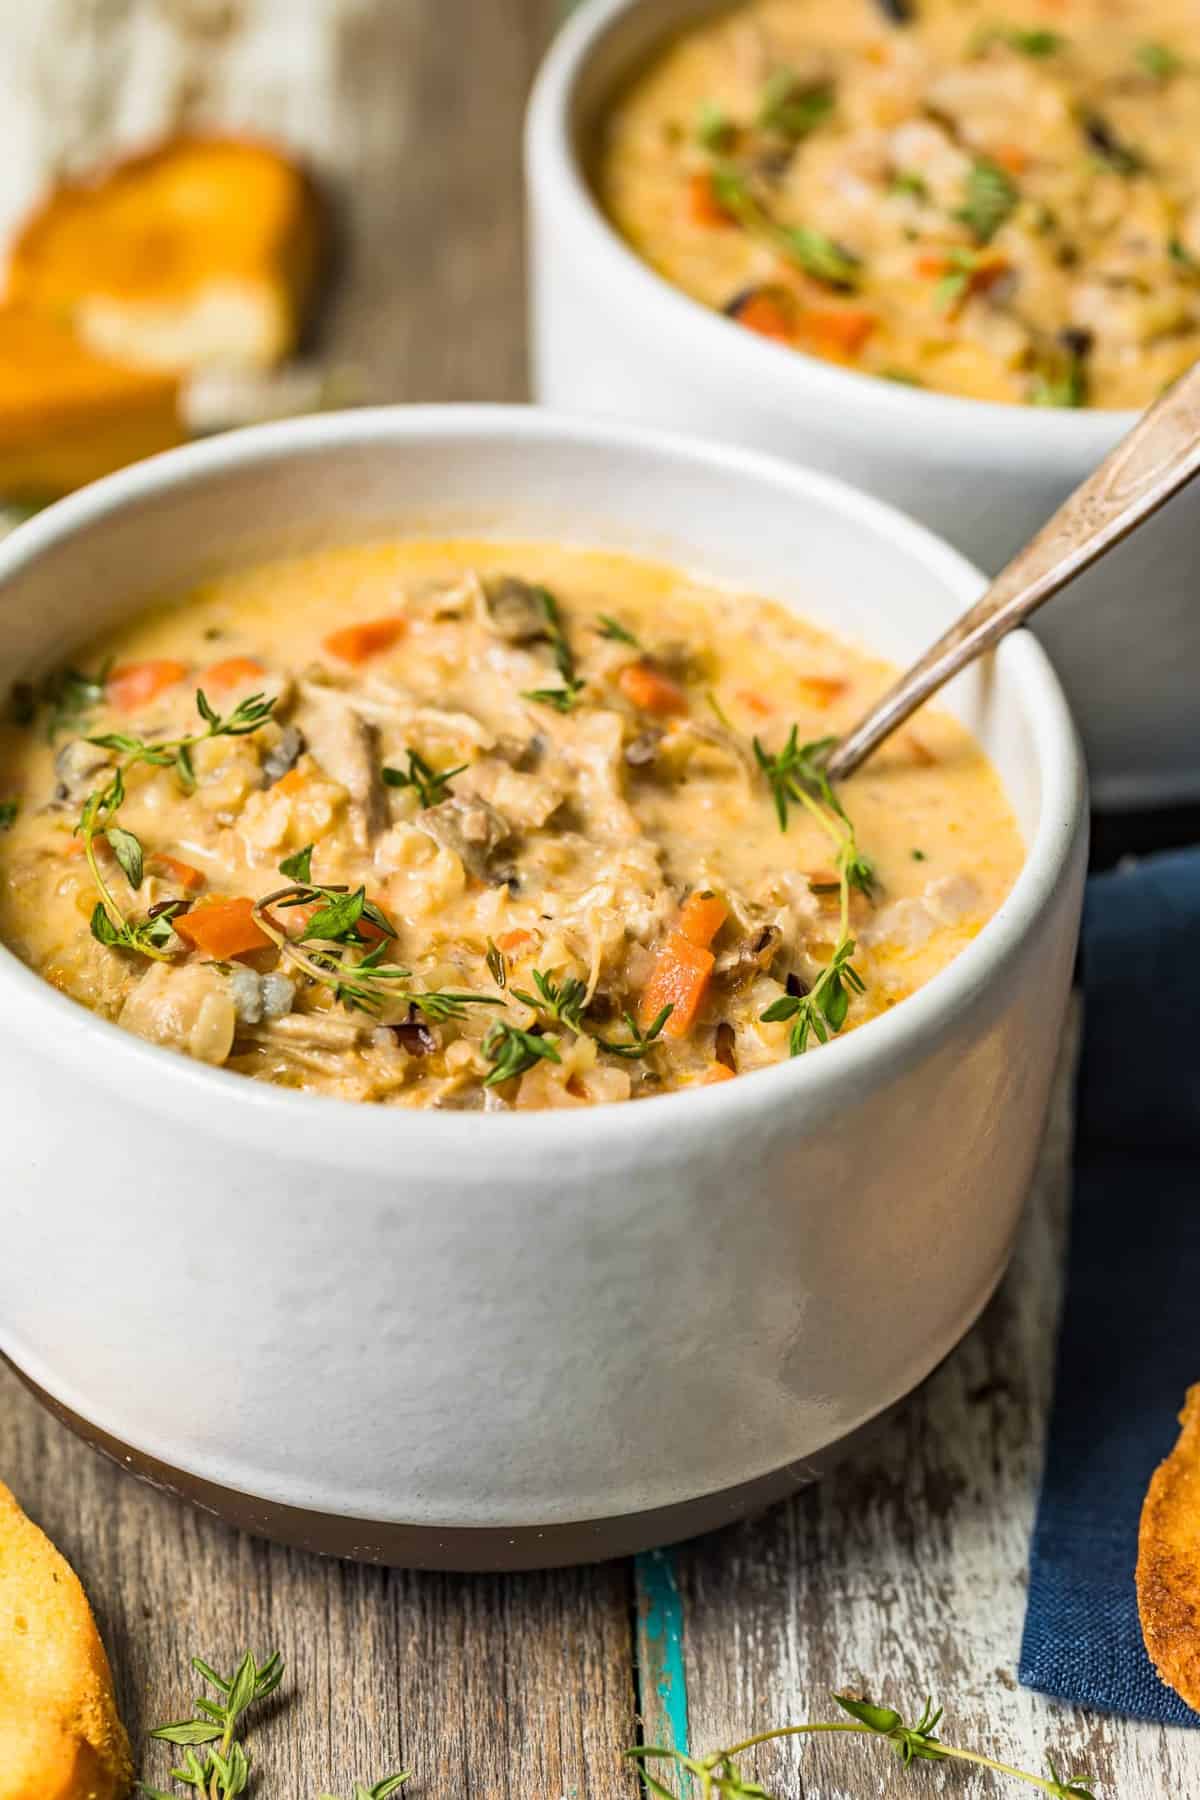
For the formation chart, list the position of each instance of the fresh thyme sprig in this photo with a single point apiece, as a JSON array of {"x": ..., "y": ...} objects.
[
  {"x": 563, "y": 699},
  {"x": 378, "y": 1791},
  {"x": 562, "y": 1002},
  {"x": 431, "y": 785},
  {"x": 513, "y": 1052},
  {"x": 718, "y": 1772},
  {"x": 324, "y": 949},
  {"x": 797, "y": 776},
  {"x": 224, "y": 1770},
  {"x": 810, "y": 250},
  {"x": 608, "y": 627},
  {"x": 152, "y": 936},
  {"x": 639, "y": 1041}
]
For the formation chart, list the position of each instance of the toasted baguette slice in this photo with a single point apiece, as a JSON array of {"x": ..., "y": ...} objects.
[
  {"x": 1168, "y": 1566},
  {"x": 201, "y": 252},
  {"x": 60, "y": 1736},
  {"x": 68, "y": 415}
]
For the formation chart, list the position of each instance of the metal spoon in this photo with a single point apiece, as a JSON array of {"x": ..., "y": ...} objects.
[{"x": 1157, "y": 458}]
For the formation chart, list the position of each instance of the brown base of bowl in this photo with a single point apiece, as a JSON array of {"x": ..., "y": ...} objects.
[{"x": 493, "y": 1549}]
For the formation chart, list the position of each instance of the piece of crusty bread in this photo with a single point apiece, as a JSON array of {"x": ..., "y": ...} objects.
[
  {"x": 202, "y": 251},
  {"x": 60, "y": 1737},
  {"x": 68, "y": 415},
  {"x": 1168, "y": 1566}
]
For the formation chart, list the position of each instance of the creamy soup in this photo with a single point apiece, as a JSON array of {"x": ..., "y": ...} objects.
[
  {"x": 998, "y": 198},
  {"x": 479, "y": 825}
]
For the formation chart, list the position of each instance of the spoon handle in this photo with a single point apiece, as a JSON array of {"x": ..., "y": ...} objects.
[{"x": 1158, "y": 457}]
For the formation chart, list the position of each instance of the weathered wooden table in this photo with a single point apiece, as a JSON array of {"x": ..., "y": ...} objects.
[{"x": 905, "y": 1572}]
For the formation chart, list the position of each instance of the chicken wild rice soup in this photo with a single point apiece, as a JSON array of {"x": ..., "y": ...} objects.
[
  {"x": 995, "y": 198},
  {"x": 484, "y": 826}
]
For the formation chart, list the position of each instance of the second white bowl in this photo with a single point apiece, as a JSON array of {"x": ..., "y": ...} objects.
[{"x": 610, "y": 336}]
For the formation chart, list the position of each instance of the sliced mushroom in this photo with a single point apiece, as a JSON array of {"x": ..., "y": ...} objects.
[
  {"x": 76, "y": 767},
  {"x": 282, "y": 758},
  {"x": 347, "y": 748},
  {"x": 750, "y": 956},
  {"x": 517, "y": 612},
  {"x": 644, "y": 748},
  {"x": 470, "y": 827},
  {"x": 260, "y": 998}
]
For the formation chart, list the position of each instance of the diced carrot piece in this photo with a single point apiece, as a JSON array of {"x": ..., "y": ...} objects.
[
  {"x": 679, "y": 979},
  {"x": 355, "y": 643},
  {"x": 704, "y": 208},
  {"x": 292, "y": 782},
  {"x": 190, "y": 879},
  {"x": 769, "y": 317},
  {"x": 1012, "y": 157},
  {"x": 138, "y": 683},
  {"x": 837, "y": 330},
  {"x": 645, "y": 687},
  {"x": 718, "y": 1072},
  {"x": 701, "y": 917},
  {"x": 762, "y": 709},
  {"x": 514, "y": 940},
  {"x": 222, "y": 929},
  {"x": 823, "y": 690},
  {"x": 932, "y": 265},
  {"x": 235, "y": 671}
]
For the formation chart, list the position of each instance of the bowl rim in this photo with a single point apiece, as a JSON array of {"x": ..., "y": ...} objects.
[
  {"x": 355, "y": 1134},
  {"x": 554, "y": 173}
]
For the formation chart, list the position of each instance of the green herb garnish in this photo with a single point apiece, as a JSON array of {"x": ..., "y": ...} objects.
[
  {"x": 1062, "y": 380},
  {"x": 562, "y": 699},
  {"x": 8, "y": 814},
  {"x": 639, "y": 1041},
  {"x": 152, "y": 937},
  {"x": 810, "y": 250},
  {"x": 1159, "y": 61},
  {"x": 612, "y": 629},
  {"x": 223, "y": 1771},
  {"x": 908, "y": 182},
  {"x": 1182, "y": 257},
  {"x": 562, "y": 1002},
  {"x": 431, "y": 785},
  {"x": 513, "y": 1052},
  {"x": 719, "y": 1774},
  {"x": 379, "y": 1791},
  {"x": 714, "y": 128},
  {"x": 796, "y": 776},
  {"x": 954, "y": 286},
  {"x": 991, "y": 199},
  {"x": 1032, "y": 43},
  {"x": 792, "y": 107}
]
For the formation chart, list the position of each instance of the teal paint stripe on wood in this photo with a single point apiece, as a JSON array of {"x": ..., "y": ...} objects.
[{"x": 662, "y": 1681}]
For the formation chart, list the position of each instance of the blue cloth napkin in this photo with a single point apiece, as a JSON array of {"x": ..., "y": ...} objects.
[{"x": 1130, "y": 1342}]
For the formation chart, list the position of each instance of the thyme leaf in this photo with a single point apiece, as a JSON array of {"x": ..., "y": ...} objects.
[
  {"x": 1159, "y": 61},
  {"x": 719, "y": 1773},
  {"x": 512, "y": 1052},
  {"x": 431, "y": 785},
  {"x": 562, "y": 1002},
  {"x": 991, "y": 199},
  {"x": 612, "y": 629},
  {"x": 8, "y": 814},
  {"x": 378, "y": 1791},
  {"x": 562, "y": 699},
  {"x": 791, "y": 107},
  {"x": 224, "y": 1770},
  {"x": 639, "y": 1041},
  {"x": 70, "y": 695}
]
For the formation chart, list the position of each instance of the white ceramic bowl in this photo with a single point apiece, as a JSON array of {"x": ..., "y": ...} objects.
[
  {"x": 480, "y": 1340},
  {"x": 609, "y": 336}
]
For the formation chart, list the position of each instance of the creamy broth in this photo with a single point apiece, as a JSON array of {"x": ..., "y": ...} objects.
[
  {"x": 531, "y": 772},
  {"x": 996, "y": 200}
]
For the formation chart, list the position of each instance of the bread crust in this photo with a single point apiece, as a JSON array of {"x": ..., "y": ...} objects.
[
  {"x": 1168, "y": 1566},
  {"x": 201, "y": 248},
  {"x": 60, "y": 1735}
]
